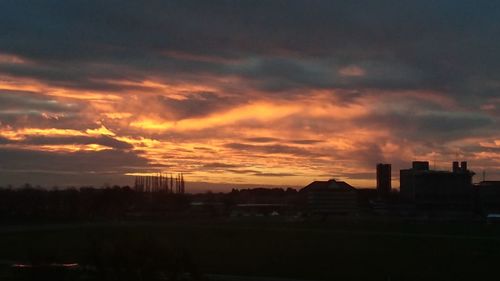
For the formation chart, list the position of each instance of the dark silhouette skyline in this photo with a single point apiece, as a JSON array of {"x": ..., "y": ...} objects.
[
  {"x": 153, "y": 230},
  {"x": 443, "y": 194},
  {"x": 223, "y": 140}
]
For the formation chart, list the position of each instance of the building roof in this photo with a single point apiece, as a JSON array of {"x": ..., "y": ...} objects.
[
  {"x": 488, "y": 183},
  {"x": 328, "y": 185},
  {"x": 436, "y": 172}
]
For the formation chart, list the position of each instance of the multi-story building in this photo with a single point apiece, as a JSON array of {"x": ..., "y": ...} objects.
[
  {"x": 488, "y": 197},
  {"x": 330, "y": 197},
  {"x": 383, "y": 180},
  {"x": 437, "y": 190}
]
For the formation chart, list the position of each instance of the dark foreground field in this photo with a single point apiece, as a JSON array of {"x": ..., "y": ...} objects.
[{"x": 309, "y": 251}]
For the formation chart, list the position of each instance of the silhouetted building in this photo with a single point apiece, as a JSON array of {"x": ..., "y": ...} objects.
[
  {"x": 435, "y": 190},
  {"x": 488, "y": 197},
  {"x": 420, "y": 165},
  {"x": 330, "y": 197},
  {"x": 383, "y": 179}
]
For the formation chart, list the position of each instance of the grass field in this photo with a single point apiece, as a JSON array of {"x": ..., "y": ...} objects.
[{"x": 312, "y": 251}]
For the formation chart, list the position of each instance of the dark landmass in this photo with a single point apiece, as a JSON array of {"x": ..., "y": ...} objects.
[{"x": 335, "y": 250}]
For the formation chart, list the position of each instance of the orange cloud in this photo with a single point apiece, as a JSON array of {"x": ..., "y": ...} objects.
[
  {"x": 193, "y": 144},
  {"x": 257, "y": 111}
]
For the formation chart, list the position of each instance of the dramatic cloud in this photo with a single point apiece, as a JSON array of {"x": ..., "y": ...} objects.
[{"x": 248, "y": 92}]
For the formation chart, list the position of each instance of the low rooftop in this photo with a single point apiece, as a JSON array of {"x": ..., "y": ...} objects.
[{"x": 330, "y": 184}]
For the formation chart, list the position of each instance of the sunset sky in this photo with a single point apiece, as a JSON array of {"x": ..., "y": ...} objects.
[{"x": 246, "y": 92}]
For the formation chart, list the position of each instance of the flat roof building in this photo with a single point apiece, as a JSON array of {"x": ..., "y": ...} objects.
[
  {"x": 383, "y": 180},
  {"x": 433, "y": 190},
  {"x": 488, "y": 197}
]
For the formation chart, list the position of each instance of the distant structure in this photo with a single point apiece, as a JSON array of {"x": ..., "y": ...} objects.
[
  {"x": 488, "y": 197},
  {"x": 383, "y": 180},
  {"x": 160, "y": 183},
  {"x": 330, "y": 197},
  {"x": 435, "y": 190}
]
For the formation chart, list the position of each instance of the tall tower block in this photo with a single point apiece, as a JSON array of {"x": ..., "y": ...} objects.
[{"x": 383, "y": 179}]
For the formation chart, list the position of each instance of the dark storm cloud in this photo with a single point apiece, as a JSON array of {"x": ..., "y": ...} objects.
[
  {"x": 47, "y": 179},
  {"x": 82, "y": 161},
  {"x": 27, "y": 101},
  {"x": 194, "y": 105},
  {"x": 300, "y": 73},
  {"x": 197, "y": 26},
  {"x": 4, "y": 140},
  {"x": 243, "y": 171},
  {"x": 262, "y": 139},
  {"x": 367, "y": 154},
  {"x": 30, "y": 119},
  {"x": 475, "y": 148},
  {"x": 279, "y": 44},
  {"x": 273, "y": 149},
  {"x": 268, "y": 139},
  {"x": 78, "y": 140},
  {"x": 84, "y": 75},
  {"x": 450, "y": 123},
  {"x": 442, "y": 126},
  {"x": 306, "y": 141},
  {"x": 246, "y": 51},
  {"x": 218, "y": 165},
  {"x": 23, "y": 109}
]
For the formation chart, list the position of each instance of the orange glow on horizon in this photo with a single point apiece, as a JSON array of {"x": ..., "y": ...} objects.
[{"x": 269, "y": 140}]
